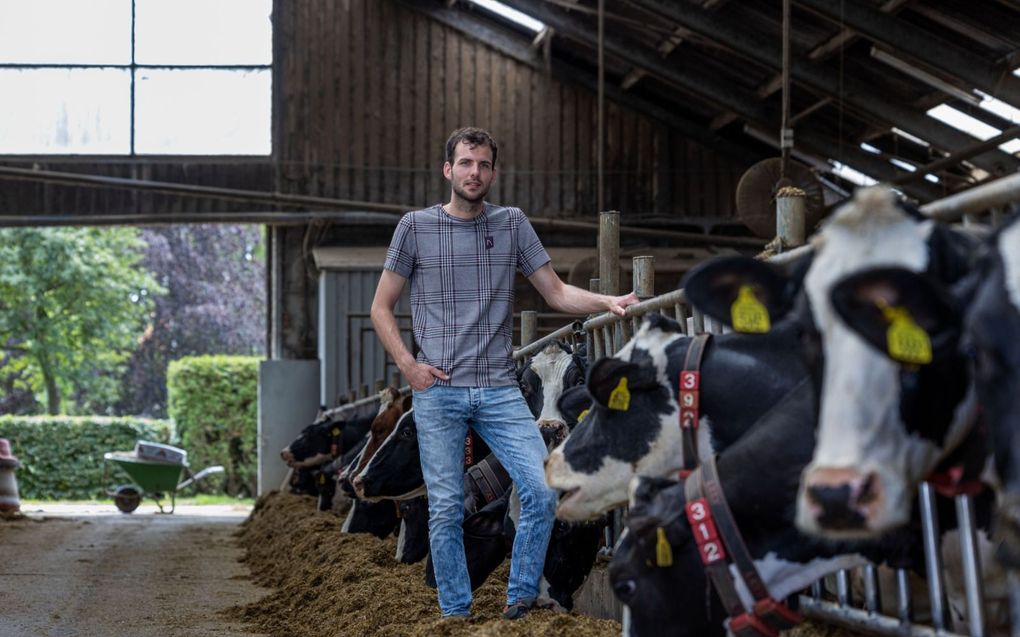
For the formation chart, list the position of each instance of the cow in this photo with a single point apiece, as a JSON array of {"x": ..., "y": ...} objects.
[
  {"x": 413, "y": 539},
  {"x": 545, "y": 376},
  {"x": 980, "y": 317},
  {"x": 668, "y": 593},
  {"x": 883, "y": 425},
  {"x": 594, "y": 465},
  {"x": 310, "y": 456}
]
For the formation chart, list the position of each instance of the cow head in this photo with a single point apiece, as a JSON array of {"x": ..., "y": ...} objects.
[
  {"x": 882, "y": 425},
  {"x": 544, "y": 377},
  {"x": 659, "y": 594},
  {"x": 984, "y": 311},
  {"x": 383, "y": 425},
  {"x": 314, "y": 445},
  {"x": 618, "y": 439},
  {"x": 394, "y": 469}
]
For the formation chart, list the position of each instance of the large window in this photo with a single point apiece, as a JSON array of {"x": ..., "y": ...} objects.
[{"x": 126, "y": 77}]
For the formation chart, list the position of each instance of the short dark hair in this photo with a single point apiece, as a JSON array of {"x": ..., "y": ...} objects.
[{"x": 472, "y": 137}]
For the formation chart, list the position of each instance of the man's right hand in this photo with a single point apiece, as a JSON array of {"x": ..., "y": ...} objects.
[{"x": 422, "y": 376}]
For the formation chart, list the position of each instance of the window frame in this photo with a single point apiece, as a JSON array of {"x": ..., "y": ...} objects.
[{"x": 133, "y": 68}]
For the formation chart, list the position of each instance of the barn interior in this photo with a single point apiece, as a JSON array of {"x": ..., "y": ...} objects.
[
  {"x": 658, "y": 115},
  {"x": 685, "y": 116}
]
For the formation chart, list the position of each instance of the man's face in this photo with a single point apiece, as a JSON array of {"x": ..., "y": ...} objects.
[{"x": 471, "y": 173}]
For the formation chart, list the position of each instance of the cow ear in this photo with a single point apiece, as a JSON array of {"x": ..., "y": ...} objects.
[
  {"x": 606, "y": 376},
  {"x": 746, "y": 294},
  {"x": 573, "y": 402},
  {"x": 903, "y": 314}
]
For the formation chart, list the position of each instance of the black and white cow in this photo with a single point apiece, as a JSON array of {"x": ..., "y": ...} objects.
[
  {"x": 759, "y": 476},
  {"x": 742, "y": 376},
  {"x": 310, "y": 455},
  {"x": 980, "y": 316},
  {"x": 882, "y": 426},
  {"x": 545, "y": 376}
]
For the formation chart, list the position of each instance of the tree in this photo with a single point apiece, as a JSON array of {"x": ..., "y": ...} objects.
[
  {"x": 214, "y": 275},
  {"x": 73, "y": 304}
]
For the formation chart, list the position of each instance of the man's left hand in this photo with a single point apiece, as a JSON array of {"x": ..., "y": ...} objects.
[{"x": 617, "y": 304}]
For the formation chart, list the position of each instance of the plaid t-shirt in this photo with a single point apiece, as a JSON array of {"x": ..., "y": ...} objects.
[{"x": 462, "y": 288}]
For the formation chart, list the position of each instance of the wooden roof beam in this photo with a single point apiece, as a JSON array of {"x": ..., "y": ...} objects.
[
  {"x": 689, "y": 80},
  {"x": 856, "y": 93},
  {"x": 519, "y": 49},
  {"x": 924, "y": 47}
]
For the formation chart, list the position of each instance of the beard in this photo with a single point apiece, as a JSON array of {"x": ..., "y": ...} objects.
[{"x": 460, "y": 192}]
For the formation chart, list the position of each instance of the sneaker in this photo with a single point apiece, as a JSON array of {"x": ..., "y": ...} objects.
[{"x": 517, "y": 609}]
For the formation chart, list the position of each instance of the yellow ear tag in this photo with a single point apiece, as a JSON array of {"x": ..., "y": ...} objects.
[
  {"x": 322, "y": 478},
  {"x": 619, "y": 399},
  {"x": 748, "y": 314},
  {"x": 663, "y": 551},
  {"x": 581, "y": 415},
  {"x": 907, "y": 341},
  {"x": 336, "y": 431}
]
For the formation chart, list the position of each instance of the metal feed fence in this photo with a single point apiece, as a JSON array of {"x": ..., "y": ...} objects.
[{"x": 605, "y": 334}]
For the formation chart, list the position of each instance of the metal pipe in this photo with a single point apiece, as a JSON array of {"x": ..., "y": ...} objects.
[
  {"x": 843, "y": 593},
  {"x": 785, "y": 133},
  {"x": 932, "y": 556},
  {"x": 858, "y": 620},
  {"x": 791, "y": 211},
  {"x": 990, "y": 195},
  {"x": 872, "y": 600},
  {"x": 537, "y": 346},
  {"x": 971, "y": 566},
  {"x": 904, "y": 602}
]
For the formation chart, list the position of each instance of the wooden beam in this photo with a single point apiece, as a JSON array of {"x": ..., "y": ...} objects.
[
  {"x": 515, "y": 47},
  {"x": 856, "y": 93},
  {"x": 692, "y": 80},
  {"x": 922, "y": 46}
]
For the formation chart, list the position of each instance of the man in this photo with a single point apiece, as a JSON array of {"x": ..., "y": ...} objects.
[{"x": 461, "y": 259}]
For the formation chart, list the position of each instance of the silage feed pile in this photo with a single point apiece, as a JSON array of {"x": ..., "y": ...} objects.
[{"x": 329, "y": 584}]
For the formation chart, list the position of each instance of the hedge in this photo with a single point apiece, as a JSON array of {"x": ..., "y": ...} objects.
[
  {"x": 213, "y": 401},
  {"x": 62, "y": 456}
]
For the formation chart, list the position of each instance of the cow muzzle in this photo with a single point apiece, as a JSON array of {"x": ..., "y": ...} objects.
[
  {"x": 287, "y": 456},
  {"x": 841, "y": 500},
  {"x": 359, "y": 486}
]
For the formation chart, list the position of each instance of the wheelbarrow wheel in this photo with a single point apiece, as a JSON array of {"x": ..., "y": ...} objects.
[{"x": 127, "y": 498}]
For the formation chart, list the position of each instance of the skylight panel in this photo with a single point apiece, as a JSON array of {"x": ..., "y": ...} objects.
[
  {"x": 899, "y": 163},
  {"x": 866, "y": 147},
  {"x": 964, "y": 122},
  {"x": 1000, "y": 108},
  {"x": 851, "y": 175},
  {"x": 511, "y": 14}
]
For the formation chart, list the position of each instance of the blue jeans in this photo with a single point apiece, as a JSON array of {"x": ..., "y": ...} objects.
[{"x": 502, "y": 418}]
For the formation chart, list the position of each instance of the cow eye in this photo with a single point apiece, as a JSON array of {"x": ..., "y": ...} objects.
[
  {"x": 987, "y": 366},
  {"x": 406, "y": 433}
]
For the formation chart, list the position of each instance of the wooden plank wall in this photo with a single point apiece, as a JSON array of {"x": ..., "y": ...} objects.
[{"x": 368, "y": 92}]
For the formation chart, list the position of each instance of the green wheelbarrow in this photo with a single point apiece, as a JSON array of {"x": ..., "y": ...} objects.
[{"x": 156, "y": 470}]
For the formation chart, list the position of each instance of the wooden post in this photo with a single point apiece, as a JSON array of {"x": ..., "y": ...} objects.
[
  {"x": 644, "y": 277},
  {"x": 529, "y": 327},
  {"x": 364, "y": 391},
  {"x": 791, "y": 206},
  {"x": 380, "y": 385},
  {"x": 609, "y": 252},
  {"x": 590, "y": 338},
  {"x": 395, "y": 379}
]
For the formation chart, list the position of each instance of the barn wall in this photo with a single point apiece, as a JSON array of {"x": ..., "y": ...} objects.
[{"x": 368, "y": 91}]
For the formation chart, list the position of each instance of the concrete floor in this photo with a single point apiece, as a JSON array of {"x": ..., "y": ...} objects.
[{"x": 69, "y": 570}]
